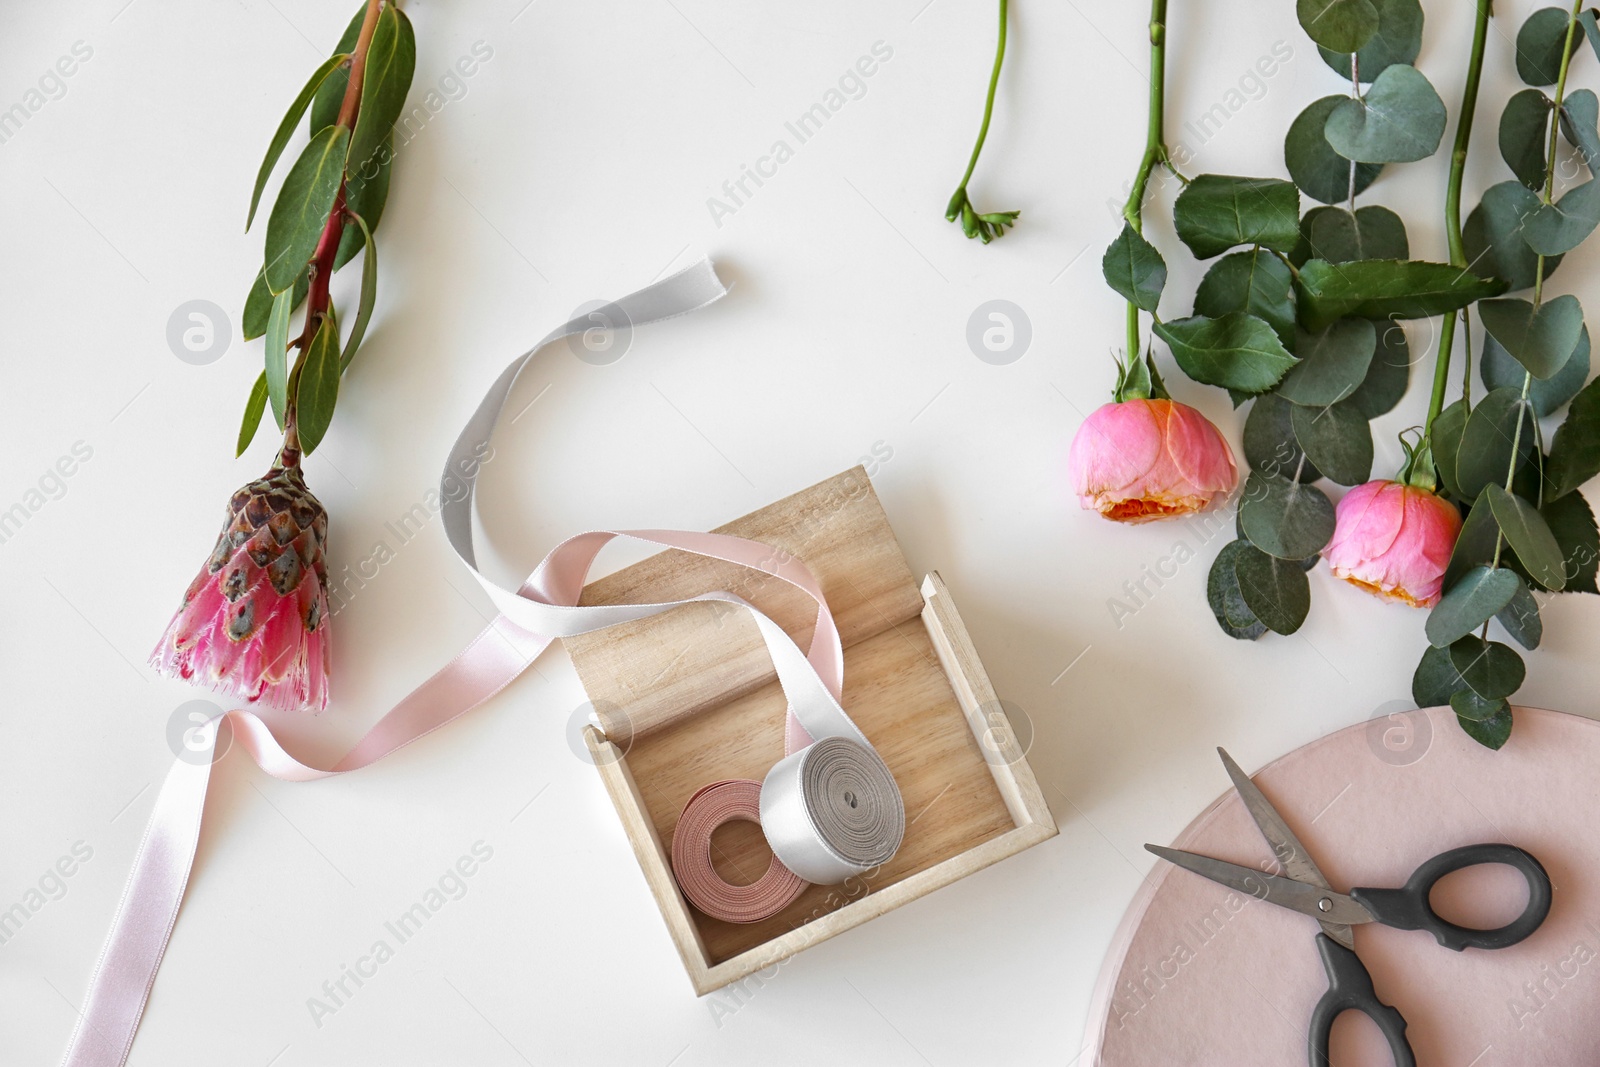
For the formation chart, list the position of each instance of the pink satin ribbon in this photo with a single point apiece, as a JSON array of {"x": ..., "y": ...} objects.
[{"x": 148, "y": 909}]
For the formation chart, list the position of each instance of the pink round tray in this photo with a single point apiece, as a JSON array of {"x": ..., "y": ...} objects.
[{"x": 1199, "y": 976}]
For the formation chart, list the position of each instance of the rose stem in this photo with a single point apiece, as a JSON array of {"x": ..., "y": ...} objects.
[
  {"x": 988, "y": 103},
  {"x": 1452, "y": 211},
  {"x": 1155, "y": 150},
  {"x": 317, "y": 299}
]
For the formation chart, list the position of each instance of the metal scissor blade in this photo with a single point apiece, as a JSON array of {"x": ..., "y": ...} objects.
[
  {"x": 1331, "y": 909},
  {"x": 1290, "y": 852}
]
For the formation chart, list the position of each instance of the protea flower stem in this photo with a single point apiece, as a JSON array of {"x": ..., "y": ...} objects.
[{"x": 317, "y": 299}]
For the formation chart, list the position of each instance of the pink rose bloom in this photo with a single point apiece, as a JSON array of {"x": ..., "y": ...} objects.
[
  {"x": 1141, "y": 460},
  {"x": 1394, "y": 540}
]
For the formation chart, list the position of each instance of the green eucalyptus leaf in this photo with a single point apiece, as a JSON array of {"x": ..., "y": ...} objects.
[
  {"x": 1333, "y": 363},
  {"x": 1227, "y": 600},
  {"x": 318, "y": 385},
  {"x": 1520, "y": 617},
  {"x": 1495, "y": 236},
  {"x": 285, "y": 128},
  {"x": 1580, "y": 115},
  {"x": 1255, "y": 282},
  {"x": 1337, "y": 439},
  {"x": 1476, "y": 543},
  {"x": 1436, "y": 679},
  {"x": 1269, "y": 444},
  {"x": 1217, "y": 212},
  {"x": 366, "y": 191},
  {"x": 1559, "y": 227},
  {"x": 1575, "y": 448},
  {"x": 1573, "y": 525},
  {"x": 1338, "y": 25},
  {"x": 1524, "y": 134},
  {"x": 277, "y": 354},
  {"x": 1541, "y": 43},
  {"x": 1479, "y": 596},
  {"x": 1542, "y": 339},
  {"x": 1400, "y": 120},
  {"x": 258, "y": 305},
  {"x": 325, "y": 108},
  {"x": 1387, "y": 376},
  {"x": 1289, "y": 520},
  {"x": 1335, "y": 235},
  {"x": 1499, "y": 370},
  {"x": 1276, "y": 591},
  {"x": 1447, "y": 431},
  {"x": 253, "y": 408},
  {"x": 369, "y": 295},
  {"x": 1472, "y": 708},
  {"x": 1385, "y": 289},
  {"x": 1398, "y": 40},
  {"x": 1490, "y": 668},
  {"x": 1484, "y": 455},
  {"x": 303, "y": 206},
  {"x": 1238, "y": 351},
  {"x": 1134, "y": 268},
  {"x": 1493, "y": 732},
  {"x": 1590, "y": 21},
  {"x": 391, "y": 60},
  {"x": 1525, "y": 530},
  {"x": 1319, "y": 171}
]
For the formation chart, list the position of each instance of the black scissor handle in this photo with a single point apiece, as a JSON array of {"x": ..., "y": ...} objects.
[
  {"x": 1350, "y": 989},
  {"x": 1408, "y": 907}
]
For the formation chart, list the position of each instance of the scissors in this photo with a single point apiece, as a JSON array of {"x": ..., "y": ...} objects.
[{"x": 1303, "y": 888}]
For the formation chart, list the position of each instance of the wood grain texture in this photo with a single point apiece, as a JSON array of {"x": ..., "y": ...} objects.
[{"x": 913, "y": 683}]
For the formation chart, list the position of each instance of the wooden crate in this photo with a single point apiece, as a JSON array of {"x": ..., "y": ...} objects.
[{"x": 690, "y": 697}]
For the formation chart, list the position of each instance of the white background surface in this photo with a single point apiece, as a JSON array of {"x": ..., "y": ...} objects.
[{"x": 577, "y": 166}]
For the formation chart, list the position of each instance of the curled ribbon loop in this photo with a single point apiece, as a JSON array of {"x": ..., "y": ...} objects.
[{"x": 829, "y": 809}]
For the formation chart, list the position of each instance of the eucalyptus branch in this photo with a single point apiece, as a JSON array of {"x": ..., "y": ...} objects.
[
  {"x": 1555, "y": 133},
  {"x": 989, "y": 226}
]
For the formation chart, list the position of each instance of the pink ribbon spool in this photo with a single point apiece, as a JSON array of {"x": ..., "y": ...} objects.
[{"x": 713, "y": 807}]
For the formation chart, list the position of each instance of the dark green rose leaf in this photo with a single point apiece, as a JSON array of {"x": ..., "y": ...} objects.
[
  {"x": 318, "y": 385},
  {"x": 1319, "y": 171},
  {"x": 1289, "y": 520},
  {"x": 1558, "y": 228},
  {"x": 1276, "y": 590},
  {"x": 1484, "y": 455},
  {"x": 1400, "y": 120},
  {"x": 1495, "y": 236},
  {"x": 1490, "y": 668},
  {"x": 1520, "y": 617},
  {"x": 1333, "y": 363},
  {"x": 1529, "y": 537},
  {"x": 1238, "y": 351},
  {"x": 253, "y": 408},
  {"x": 1573, "y": 525},
  {"x": 1134, "y": 268},
  {"x": 1255, "y": 282},
  {"x": 1398, "y": 40},
  {"x": 258, "y": 305},
  {"x": 1436, "y": 679},
  {"x": 277, "y": 354},
  {"x": 1492, "y": 732},
  {"x": 1386, "y": 289},
  {"x": 1500, "y": 371},
  {"x": 1541, "y": 43},
  {"x": 1338, "y": 439},
  {"x": 1225, "y": 598},
  {"x": 303, "y": 205},
  {"x": 1269, "y": 444},
  {"x": 1479, "y": 596},
  {"x": 1388, "y": 375},
  {"x": 281, "y": 137},
  {"x": 1580, "y": 114},
  {"x": 1335, "y": 235},
  {"x": 1338, "y": 25},
  {"x": 391, "y": 59},
  {"x": 1541, "y": 339},
  {"x": 1575, "y": 448},
  {"x": 1524, "y": 133},
  {"x": 1216, "y": 212},
  {"x": 1447, "y": 431}
]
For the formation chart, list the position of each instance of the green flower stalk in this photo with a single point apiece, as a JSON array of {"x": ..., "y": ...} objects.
[{"x": 984, "y": 227}]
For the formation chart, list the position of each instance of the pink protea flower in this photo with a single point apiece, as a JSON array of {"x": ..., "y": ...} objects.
[
  {"x": 254, "y": 623},
  {"x": 1394, "y": 540},
  {"x": 1140, "y": 460}
]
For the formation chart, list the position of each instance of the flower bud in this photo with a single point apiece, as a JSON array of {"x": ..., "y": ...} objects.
[
  {"x": 1140, "y": 460},
  {"x": 1394, "y": 540}
]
